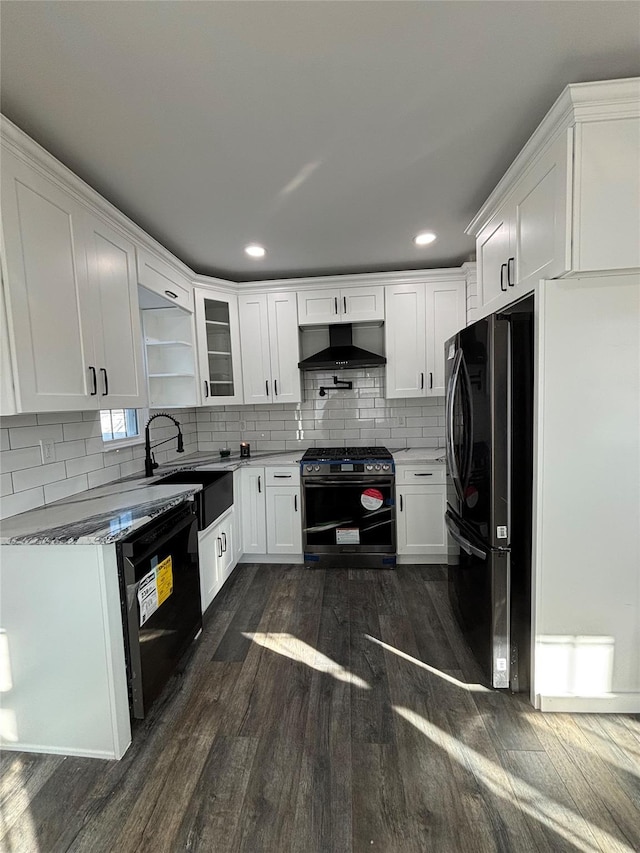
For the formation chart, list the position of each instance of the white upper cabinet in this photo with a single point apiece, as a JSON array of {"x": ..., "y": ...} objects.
[
  {"x": 162, "y": 279},
  {"x": 218, "y": 337},
  {"x": 71, "y": 299},
  {"x": 347, "y": 305},
  {"x": 419, "y": 318},
  {"x": 446, "y": 313},
  {"x": 526, "y": 239},
  {"x": 117, "y": 337},
  {"x": 570, "y": 202},
  {"x": 405, "y": 343},
  {"x": 270, "y": 348},
  {"x": 606, "y": 225}
]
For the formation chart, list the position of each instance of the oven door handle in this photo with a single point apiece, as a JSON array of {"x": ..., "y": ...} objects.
[{"x": 345, "y": 481}]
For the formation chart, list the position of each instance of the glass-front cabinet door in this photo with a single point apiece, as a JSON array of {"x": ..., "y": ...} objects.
[{"x": 218, "y": 334}]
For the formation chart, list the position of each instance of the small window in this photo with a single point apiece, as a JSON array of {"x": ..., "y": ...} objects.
[{"x": 119, "y": 424}]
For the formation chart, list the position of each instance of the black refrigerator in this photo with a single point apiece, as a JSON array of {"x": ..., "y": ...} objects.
[{"x": 489, "y": 441}]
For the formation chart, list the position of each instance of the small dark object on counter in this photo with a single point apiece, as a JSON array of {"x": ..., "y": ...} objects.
[
  {"x": 245, "y": 449},
  {"x": 225, "y": 452}
]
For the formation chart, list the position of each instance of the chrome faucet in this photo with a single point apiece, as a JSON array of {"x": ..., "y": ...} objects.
[{"x": 149, "y": 459}]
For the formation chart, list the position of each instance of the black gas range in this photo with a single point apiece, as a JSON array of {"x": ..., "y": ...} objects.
[
  {"x": 370, "y": 461},
  {"x": 348, "y": 507}
]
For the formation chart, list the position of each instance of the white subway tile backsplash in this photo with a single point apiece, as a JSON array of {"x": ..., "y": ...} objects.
[
  {"x": 29, "y": 478},
  {"x": 30, "y": 436},
  {"x": 103, "y": 476},
  {"x": 15, "y": 460},
  {"x": 84, "y": 464},
  {"x": 60, "y": 417},
  {"x": 6, "y": 484},
  {"x": 84, "y": 429},
  {"x": 22, "y": 501},
  {"x": 360, "y": 416},
  {"x": 18, "y": 420},
  {"x": 64, "y": 488}
]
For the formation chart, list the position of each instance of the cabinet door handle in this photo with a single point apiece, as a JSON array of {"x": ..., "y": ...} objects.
[
  {"x": 282, "y": 476},
  {"x": 259, "y": 484},
  {"x": 511, "y": 279},
  {"x": 423, "y": 475},
  {"x": 430, "y": 381},
  {"x": 94, "y": 380},
  {"x": 105, "y": 379},
  {"x": 219, "y": 541},
  {"x": 503, "y": 268},
  {"x": 224, "y": 542},
  {"x": 335, "y": 304},
  {"x": 206, "y": 389},
  {"x": 401, "y": 506},
  {"x": 344, "y": 301},
  {"x": 275, "y": 386},
  {"x": 266, "y": 385},
  {"x": 171, "y": 294},
  {"x": 422, "y": 381},
  {"x": 295, "y": 503}
]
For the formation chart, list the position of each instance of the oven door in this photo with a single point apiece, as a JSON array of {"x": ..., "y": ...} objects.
[{"x": 349, "y": 515}]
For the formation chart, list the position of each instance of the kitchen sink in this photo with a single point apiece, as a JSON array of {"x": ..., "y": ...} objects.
[{"x": 216, "y": 495}]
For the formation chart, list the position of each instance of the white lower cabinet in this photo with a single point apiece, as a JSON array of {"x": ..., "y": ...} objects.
[
  {"x": 252, "y": 508},
  {"x": 420, "y": 509},
  {"x": 216, "y": 555},
  {"x": 284, "y": 528},
  {"x": 271, "y": 512}
]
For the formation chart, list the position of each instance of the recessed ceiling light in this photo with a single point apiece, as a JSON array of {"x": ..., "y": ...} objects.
[
  {"x": 255, "y": 251},
  {"x": 424, "y": 238}
]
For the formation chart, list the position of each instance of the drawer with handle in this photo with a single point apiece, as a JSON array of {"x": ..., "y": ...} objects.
[
  {"x": 416, "y": 474},
  {"x": 288, "y": 475}
]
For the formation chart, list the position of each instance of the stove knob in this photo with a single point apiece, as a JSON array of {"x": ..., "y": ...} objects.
[
  {"x": 369, "y": 467},
  {"x": 377, "y": 467},
  {"x": 316, "y": 467},
  {"x": 309, "y": 467},
  {"x": 386, "y": 467}
]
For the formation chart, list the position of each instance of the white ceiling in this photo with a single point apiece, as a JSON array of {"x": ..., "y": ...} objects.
[{"x": 330, "y": 132}]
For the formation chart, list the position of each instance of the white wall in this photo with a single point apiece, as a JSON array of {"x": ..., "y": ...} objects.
[{"x": 587, "y": 551}]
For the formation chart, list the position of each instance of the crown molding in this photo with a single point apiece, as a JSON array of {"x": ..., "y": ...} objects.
[
  {"x": 38, "y": 158},
  {"x": 578, "y": 102}
]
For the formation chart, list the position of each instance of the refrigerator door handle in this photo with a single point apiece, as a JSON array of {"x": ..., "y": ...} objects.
[
  {"x": 468, "y": 427},
  {"x": 466, "y": 546},
  {"x": 449, "y": 410}
]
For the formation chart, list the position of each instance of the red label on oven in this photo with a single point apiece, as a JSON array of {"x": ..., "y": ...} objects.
[{"x": 372, "y": 499}]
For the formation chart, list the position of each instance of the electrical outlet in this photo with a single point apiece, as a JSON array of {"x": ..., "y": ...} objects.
[
  {"x": 48, "y": 451},
  {"x": 401, "y": 420},
  {"x": 243, "y": 426}
]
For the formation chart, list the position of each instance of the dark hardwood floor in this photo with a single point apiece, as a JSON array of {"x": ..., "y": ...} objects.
[{"x": 335, "y": 711}]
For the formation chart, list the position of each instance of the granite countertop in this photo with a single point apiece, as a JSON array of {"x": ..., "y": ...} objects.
[
  {"x": 108, "y": 513},
  {"x": 419, "y": 455}
]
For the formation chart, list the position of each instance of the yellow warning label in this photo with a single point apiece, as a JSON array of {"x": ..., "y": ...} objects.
[{"x": 164, "y": 580}]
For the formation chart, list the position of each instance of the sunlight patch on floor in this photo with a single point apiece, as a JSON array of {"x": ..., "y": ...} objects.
[
  {"x": 569, "y": 825},
  {"x": 471, "y": 688},
  {"x": 18, "y": 834},
  {"x": 301, "y": 652}
]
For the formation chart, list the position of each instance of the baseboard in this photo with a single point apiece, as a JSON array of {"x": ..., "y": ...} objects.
[
  {"x": 62, "y": 750},
  {"x": 610, "y": 703},
  {"x": 271, "y": 558},
  {"x": 421, "y": 559}
]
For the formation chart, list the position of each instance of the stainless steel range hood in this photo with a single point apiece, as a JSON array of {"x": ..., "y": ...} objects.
[{"x": 341, "y": 353}]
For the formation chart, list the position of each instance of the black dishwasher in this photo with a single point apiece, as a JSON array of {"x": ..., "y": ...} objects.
[{"x": 160, "y": 596}]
